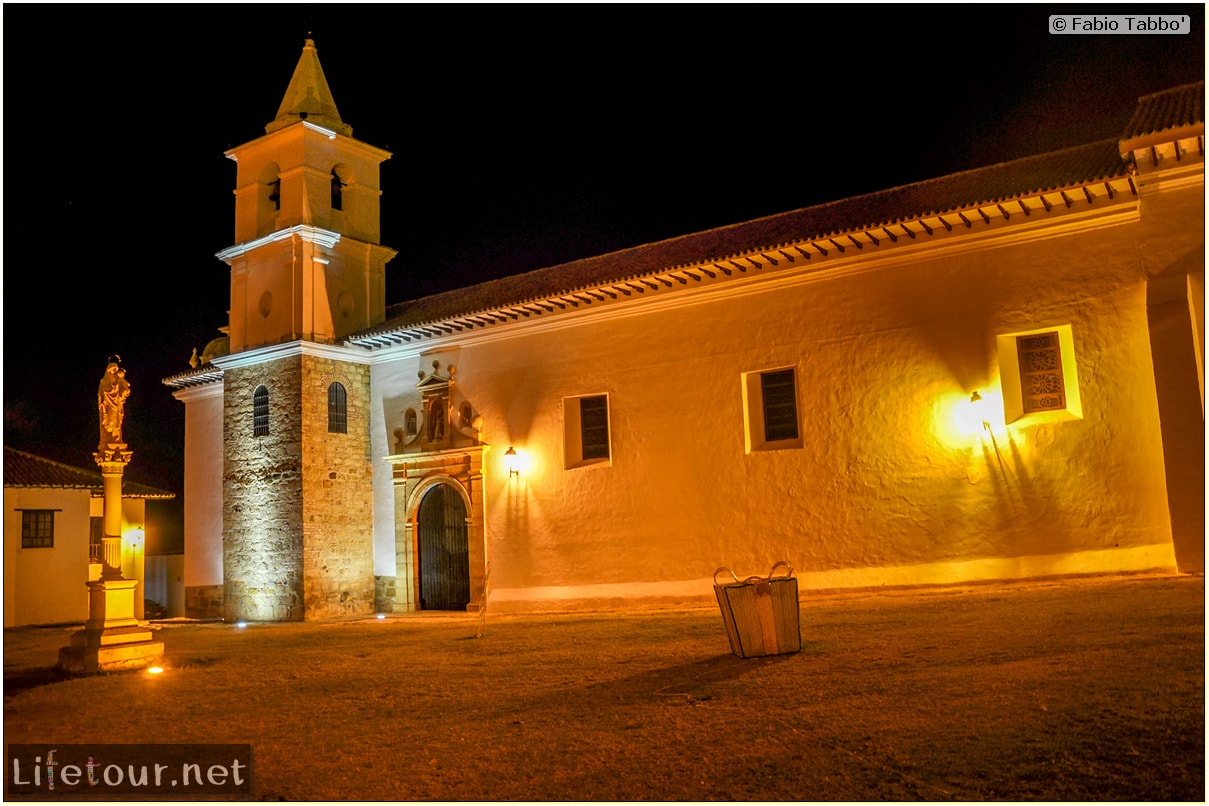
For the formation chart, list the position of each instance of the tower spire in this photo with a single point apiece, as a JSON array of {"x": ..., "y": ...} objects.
[{"x": 308, "y": 97}]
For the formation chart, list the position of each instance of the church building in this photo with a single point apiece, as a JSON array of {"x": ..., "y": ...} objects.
[{"x": 997, "y": 374}]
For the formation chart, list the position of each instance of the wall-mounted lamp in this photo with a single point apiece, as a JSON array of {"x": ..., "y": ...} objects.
[
  {"x": 512, "y": 462},
  {"x": 979, "y": 409}
]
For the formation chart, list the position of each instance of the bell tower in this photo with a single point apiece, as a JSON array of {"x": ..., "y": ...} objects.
[
  {"x": 307, "y": 264},
  {"x": 306, "y": 271}
]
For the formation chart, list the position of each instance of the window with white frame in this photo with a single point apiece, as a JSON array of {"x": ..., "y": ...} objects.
[
  {"x": 586, "y": 430},
  {"x": 771, "y": 412}
]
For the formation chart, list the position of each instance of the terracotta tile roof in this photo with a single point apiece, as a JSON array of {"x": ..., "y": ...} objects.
[
  {"x": 206, "y": 373},
  {"x": 1053, "y": 171},
  {"x": 1169, "y": 109},
  {"x": 23, "y": 469}
]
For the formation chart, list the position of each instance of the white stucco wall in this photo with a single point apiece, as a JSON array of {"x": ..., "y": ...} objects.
[
  {"x": 885, "y": 488},
  {"x": 46, "y": 585},
  {"x": 388, "y": 384},
  {"x": 203, "y": 484}
]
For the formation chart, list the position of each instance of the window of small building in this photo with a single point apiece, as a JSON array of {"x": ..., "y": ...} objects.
[
  {"x": 586, "y": 430},
  {"x": 770, "y": 401},
  {"x": 96, "y": 534},
  {"x": 337, "y": 409},
  {"x": 260, "y": 412},
  {"x": 37, "y": 529}
]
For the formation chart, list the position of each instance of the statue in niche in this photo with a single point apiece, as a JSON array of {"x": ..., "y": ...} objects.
[
  {"x": 111, "y": 403},
  {"x": 410, "y": 419},
  {"x": 434, "y": 417}
]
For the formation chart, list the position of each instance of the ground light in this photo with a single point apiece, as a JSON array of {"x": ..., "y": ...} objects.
[
  {"x": 154, "y": 670},
  {"x": 381, "y": 616}
]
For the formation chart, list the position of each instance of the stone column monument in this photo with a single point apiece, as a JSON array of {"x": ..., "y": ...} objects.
[{"x": 112, "y": 639}]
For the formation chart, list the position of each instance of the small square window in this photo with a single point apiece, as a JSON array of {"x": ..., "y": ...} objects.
[
  {"x": 586, "y": 430},
  {"x": 37, "y": 529},
  {"x": 770, "y": 401}
]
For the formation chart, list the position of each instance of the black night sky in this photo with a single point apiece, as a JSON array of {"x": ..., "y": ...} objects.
[{"x": 523, "y": 137}]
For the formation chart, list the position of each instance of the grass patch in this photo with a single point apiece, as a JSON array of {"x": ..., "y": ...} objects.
[{"x": 1074, "y": 690}]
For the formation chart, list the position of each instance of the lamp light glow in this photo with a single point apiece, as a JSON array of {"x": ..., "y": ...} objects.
[{"x": 512, "y": 462}]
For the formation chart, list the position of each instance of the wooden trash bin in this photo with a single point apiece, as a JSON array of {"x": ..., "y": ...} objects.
[{"x": 761, "y": 613}]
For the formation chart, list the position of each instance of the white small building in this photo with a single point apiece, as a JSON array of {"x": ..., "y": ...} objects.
[{"x": 52, "y": 538}]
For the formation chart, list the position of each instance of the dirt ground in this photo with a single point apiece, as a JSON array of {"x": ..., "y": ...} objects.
[{"x": 1069, "y": 689}]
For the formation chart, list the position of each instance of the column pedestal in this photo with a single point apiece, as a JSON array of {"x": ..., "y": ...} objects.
[{"x": 112, "y": 639}]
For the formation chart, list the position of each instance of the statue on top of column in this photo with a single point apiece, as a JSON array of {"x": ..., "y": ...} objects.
[{"x": 111, "y": 402}]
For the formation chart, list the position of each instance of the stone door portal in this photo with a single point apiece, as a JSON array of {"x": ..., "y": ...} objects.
[{"x": 444, "y": 561}]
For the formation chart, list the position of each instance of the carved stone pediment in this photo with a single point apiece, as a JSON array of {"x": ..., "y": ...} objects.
[{"x": 436, "y": 423}]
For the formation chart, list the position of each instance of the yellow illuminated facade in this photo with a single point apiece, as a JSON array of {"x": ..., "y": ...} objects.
[
  {"x": 1002, "y": 381},
  {"x": 46, "y": 572}
]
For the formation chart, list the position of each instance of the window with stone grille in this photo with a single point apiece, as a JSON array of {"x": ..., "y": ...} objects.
[
  {"x": 260, "y": 412},
  {"x": 1041, "y": 384},
  {"x": 1039, "y": 376},
  {"x": 37, "y": 529},
  {"x": 337, "y": 409}
]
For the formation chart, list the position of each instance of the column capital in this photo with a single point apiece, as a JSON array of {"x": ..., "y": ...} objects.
[{"x": 113, "y": 458}]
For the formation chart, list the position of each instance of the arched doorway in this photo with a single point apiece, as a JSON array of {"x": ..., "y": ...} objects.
[{"x": 444, "y": 561}]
